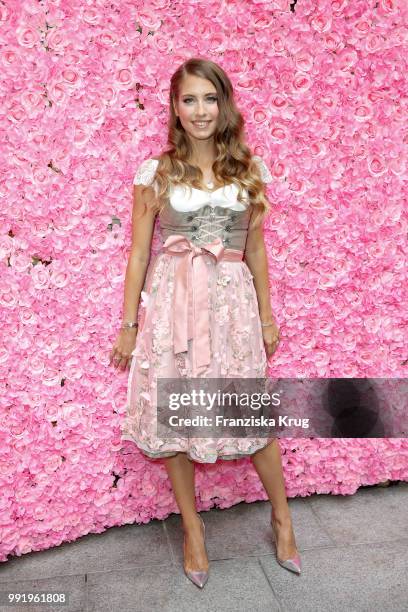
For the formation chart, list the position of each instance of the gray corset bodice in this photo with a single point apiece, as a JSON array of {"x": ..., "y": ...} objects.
[{"x": 205, "y": 224}]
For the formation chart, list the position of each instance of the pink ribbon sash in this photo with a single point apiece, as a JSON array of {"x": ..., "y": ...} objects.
[{"x": 190, "y": 300}]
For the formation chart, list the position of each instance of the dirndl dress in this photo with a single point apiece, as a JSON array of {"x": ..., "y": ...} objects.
[{"x": 198, "y": 316}]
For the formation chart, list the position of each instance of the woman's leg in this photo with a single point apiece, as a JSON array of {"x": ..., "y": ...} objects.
[
  {"x": 267, "y": 462},
  {"x": 181, "y": 473}
]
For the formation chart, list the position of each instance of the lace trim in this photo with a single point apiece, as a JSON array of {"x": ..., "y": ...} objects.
[
  {"x": 264, "y": 170},
  {"x": 145, "y": 172},
  {"x": 193, "y": 456}
]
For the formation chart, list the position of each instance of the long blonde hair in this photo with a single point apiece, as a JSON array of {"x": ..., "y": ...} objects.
[{"x": 233, "y": 162}]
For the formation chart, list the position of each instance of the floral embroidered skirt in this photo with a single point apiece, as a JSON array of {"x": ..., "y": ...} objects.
[{"x": 237, "y": 351}]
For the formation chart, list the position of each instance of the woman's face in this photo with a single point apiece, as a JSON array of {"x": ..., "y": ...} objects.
[{"x": 197, "y": 102}]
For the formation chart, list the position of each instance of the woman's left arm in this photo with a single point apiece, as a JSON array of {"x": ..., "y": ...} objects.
[
  {"x": 255, "y": 257},
  {"x": 257, "y": 262}
]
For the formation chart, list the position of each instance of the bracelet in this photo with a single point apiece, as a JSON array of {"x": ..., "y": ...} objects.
[
  {"x": 267, "y": 324},
  {"x": 129, "y": 324}
]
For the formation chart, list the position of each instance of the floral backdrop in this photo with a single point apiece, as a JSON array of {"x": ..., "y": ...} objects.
[{"x": 84, "y": 92}]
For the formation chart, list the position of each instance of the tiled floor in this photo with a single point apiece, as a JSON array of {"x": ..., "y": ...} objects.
[{"x": 354, "y": 552}]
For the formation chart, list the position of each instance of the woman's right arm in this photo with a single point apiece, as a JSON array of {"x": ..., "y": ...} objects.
[
  {"x": 143, "y": 219},
  {"x": 139, "y": 256}
]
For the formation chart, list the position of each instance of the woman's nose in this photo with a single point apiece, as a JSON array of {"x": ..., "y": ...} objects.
[{"x": 201, "y": 109}]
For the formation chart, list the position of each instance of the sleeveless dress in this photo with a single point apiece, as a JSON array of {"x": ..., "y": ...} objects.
[{"x": 198, "y": 316}]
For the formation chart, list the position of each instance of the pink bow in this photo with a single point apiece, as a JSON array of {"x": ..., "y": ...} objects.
[{"x": 190, "y": 300}]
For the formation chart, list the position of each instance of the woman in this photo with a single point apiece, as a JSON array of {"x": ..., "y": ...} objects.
[{"x": 209, "y": 193}]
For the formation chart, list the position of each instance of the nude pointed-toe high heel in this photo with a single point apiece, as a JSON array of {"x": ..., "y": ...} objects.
[
  {"x": 292, "y": 564},
  {"x": 199, "y": 577}
]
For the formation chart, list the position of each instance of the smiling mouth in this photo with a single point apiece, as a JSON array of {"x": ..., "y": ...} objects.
[{"x": 201, "y": 124}]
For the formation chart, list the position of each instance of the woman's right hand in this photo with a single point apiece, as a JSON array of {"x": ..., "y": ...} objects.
[{"x": 121, "y": 353}]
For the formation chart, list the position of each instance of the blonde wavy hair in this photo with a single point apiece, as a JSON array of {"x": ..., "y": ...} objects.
[{"x": 233, "y": 163}]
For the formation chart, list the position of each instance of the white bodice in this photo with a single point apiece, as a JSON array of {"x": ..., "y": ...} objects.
[
  {"x": 184, "y": 200},
  {"x": 226, "y": 197}
]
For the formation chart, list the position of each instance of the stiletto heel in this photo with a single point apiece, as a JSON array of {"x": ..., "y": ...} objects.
[
  {"x": 292, "y": 564},
  {"x": 199, "y": 577}
]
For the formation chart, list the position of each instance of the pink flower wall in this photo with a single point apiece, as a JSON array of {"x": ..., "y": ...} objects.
[{"x": 84, "y": 93}]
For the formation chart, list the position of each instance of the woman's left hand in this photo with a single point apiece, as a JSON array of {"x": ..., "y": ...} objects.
[{"x": 271, "y": 337}]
